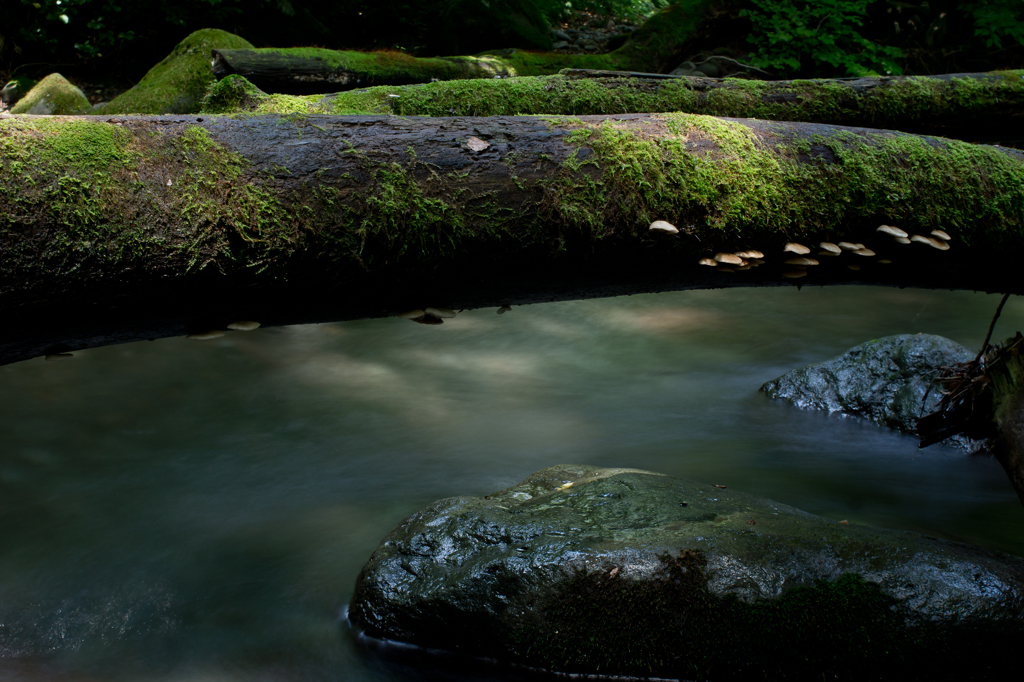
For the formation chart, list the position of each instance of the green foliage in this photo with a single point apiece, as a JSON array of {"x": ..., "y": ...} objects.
[
  {"x": 995, "y": 20},
  {"x": 799, "y": 37},
  {"x": 97, "y": 26}
]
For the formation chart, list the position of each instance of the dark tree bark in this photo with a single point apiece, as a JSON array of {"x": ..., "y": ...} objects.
[
  {"x": 139, "y": 227},
  {"x": 984, "y": 399},
  {"x": 1008, "y": 445}
]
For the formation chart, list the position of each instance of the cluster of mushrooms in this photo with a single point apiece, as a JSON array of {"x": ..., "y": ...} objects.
[{"x": 799, "y": 258}]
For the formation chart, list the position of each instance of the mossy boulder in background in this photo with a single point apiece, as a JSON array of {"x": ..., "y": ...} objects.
[
  {"x": 626, "y": 572},
  {"x": 177, "y": 84},
  {"x": 53, "y": 95},
  {"x": 15, "y": 89},
  {"x": 887, "y": 380}
]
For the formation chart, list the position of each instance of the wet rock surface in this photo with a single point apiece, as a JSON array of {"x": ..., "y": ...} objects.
[
  {"x": 886, "y": 380},
  {"x": 624, "y": 572}
]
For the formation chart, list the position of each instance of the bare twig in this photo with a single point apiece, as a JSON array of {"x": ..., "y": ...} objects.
[{"x": 991, "y": 327}]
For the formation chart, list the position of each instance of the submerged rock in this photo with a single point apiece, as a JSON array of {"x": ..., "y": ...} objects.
[
  {"x": 625, "y": 572},
  {"x": 886, "y": 380},
  {"x": 53, "y": 95}
]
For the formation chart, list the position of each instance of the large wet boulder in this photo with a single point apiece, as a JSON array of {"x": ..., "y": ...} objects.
[
  {"x": 626, "y": 572},
  {"x": 888, "y": 381},
  {"x": 177, "y": 84},
  {"x": 53, "y": 95}
]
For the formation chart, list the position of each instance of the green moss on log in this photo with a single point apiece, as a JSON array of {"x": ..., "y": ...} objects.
[
  {"x": 338, "y": 66},
  {"x": 83, "y": 175},
  {"x": 650, "y": 48},
  {"x": 751, "y": 181},
  {"x": 894, "y": 104},
  {"x": 177, "y": 84},
  {"x": 105, "y": 196}
]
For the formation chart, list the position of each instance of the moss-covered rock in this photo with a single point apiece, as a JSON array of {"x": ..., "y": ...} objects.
[
  {"x": 177, "y": 84},
  {"x": 14, "y": 90},
  {"x": 53, "y": 95},
  {"x": 626, "y": 572},
  {"x": 887, "y": 380}
]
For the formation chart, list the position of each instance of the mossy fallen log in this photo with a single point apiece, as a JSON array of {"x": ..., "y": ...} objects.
[
  {"x": 307, "y": 70},
  {"x": 973, "y": 106},
  {"x": 138, "y": 227}
]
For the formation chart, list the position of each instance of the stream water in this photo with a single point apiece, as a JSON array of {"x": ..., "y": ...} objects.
[{"x": 181, "y": 510}]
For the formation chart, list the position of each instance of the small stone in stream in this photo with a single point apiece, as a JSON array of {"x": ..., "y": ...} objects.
[
  {"x": 684, "y": 69},
  {"x": 709, "y": 69},
  {"x": 206, "y": 336}
]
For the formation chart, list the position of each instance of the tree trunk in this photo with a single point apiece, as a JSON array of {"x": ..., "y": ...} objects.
[
  {"x": 1007, "y": 377},
  {"x": 652, "y": 47},
  {"x": 139, "y": 227},
  {"x": 986, "y": 107},
  {"x": 984, "y": 399}
]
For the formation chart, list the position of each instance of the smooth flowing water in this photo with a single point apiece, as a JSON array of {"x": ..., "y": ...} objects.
[{"x": 182, "y": 510}]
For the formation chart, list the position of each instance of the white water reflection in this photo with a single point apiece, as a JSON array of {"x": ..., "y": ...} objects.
[{"x": 179, "y": 510}]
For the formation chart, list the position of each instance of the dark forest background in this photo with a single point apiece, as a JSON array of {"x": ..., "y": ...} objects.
[{"x": 121, "y": 39}]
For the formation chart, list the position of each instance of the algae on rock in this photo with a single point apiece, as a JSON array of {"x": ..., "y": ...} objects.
[
  {"x": 53, "y": 95},
  {"x": 177, "y": 84},
  {"x": 624, "y": 572}
]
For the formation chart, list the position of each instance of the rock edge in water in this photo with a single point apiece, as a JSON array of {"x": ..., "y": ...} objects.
[
  {"x": 885, "y": 380},
  {"x": 625, "y": 572}
]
